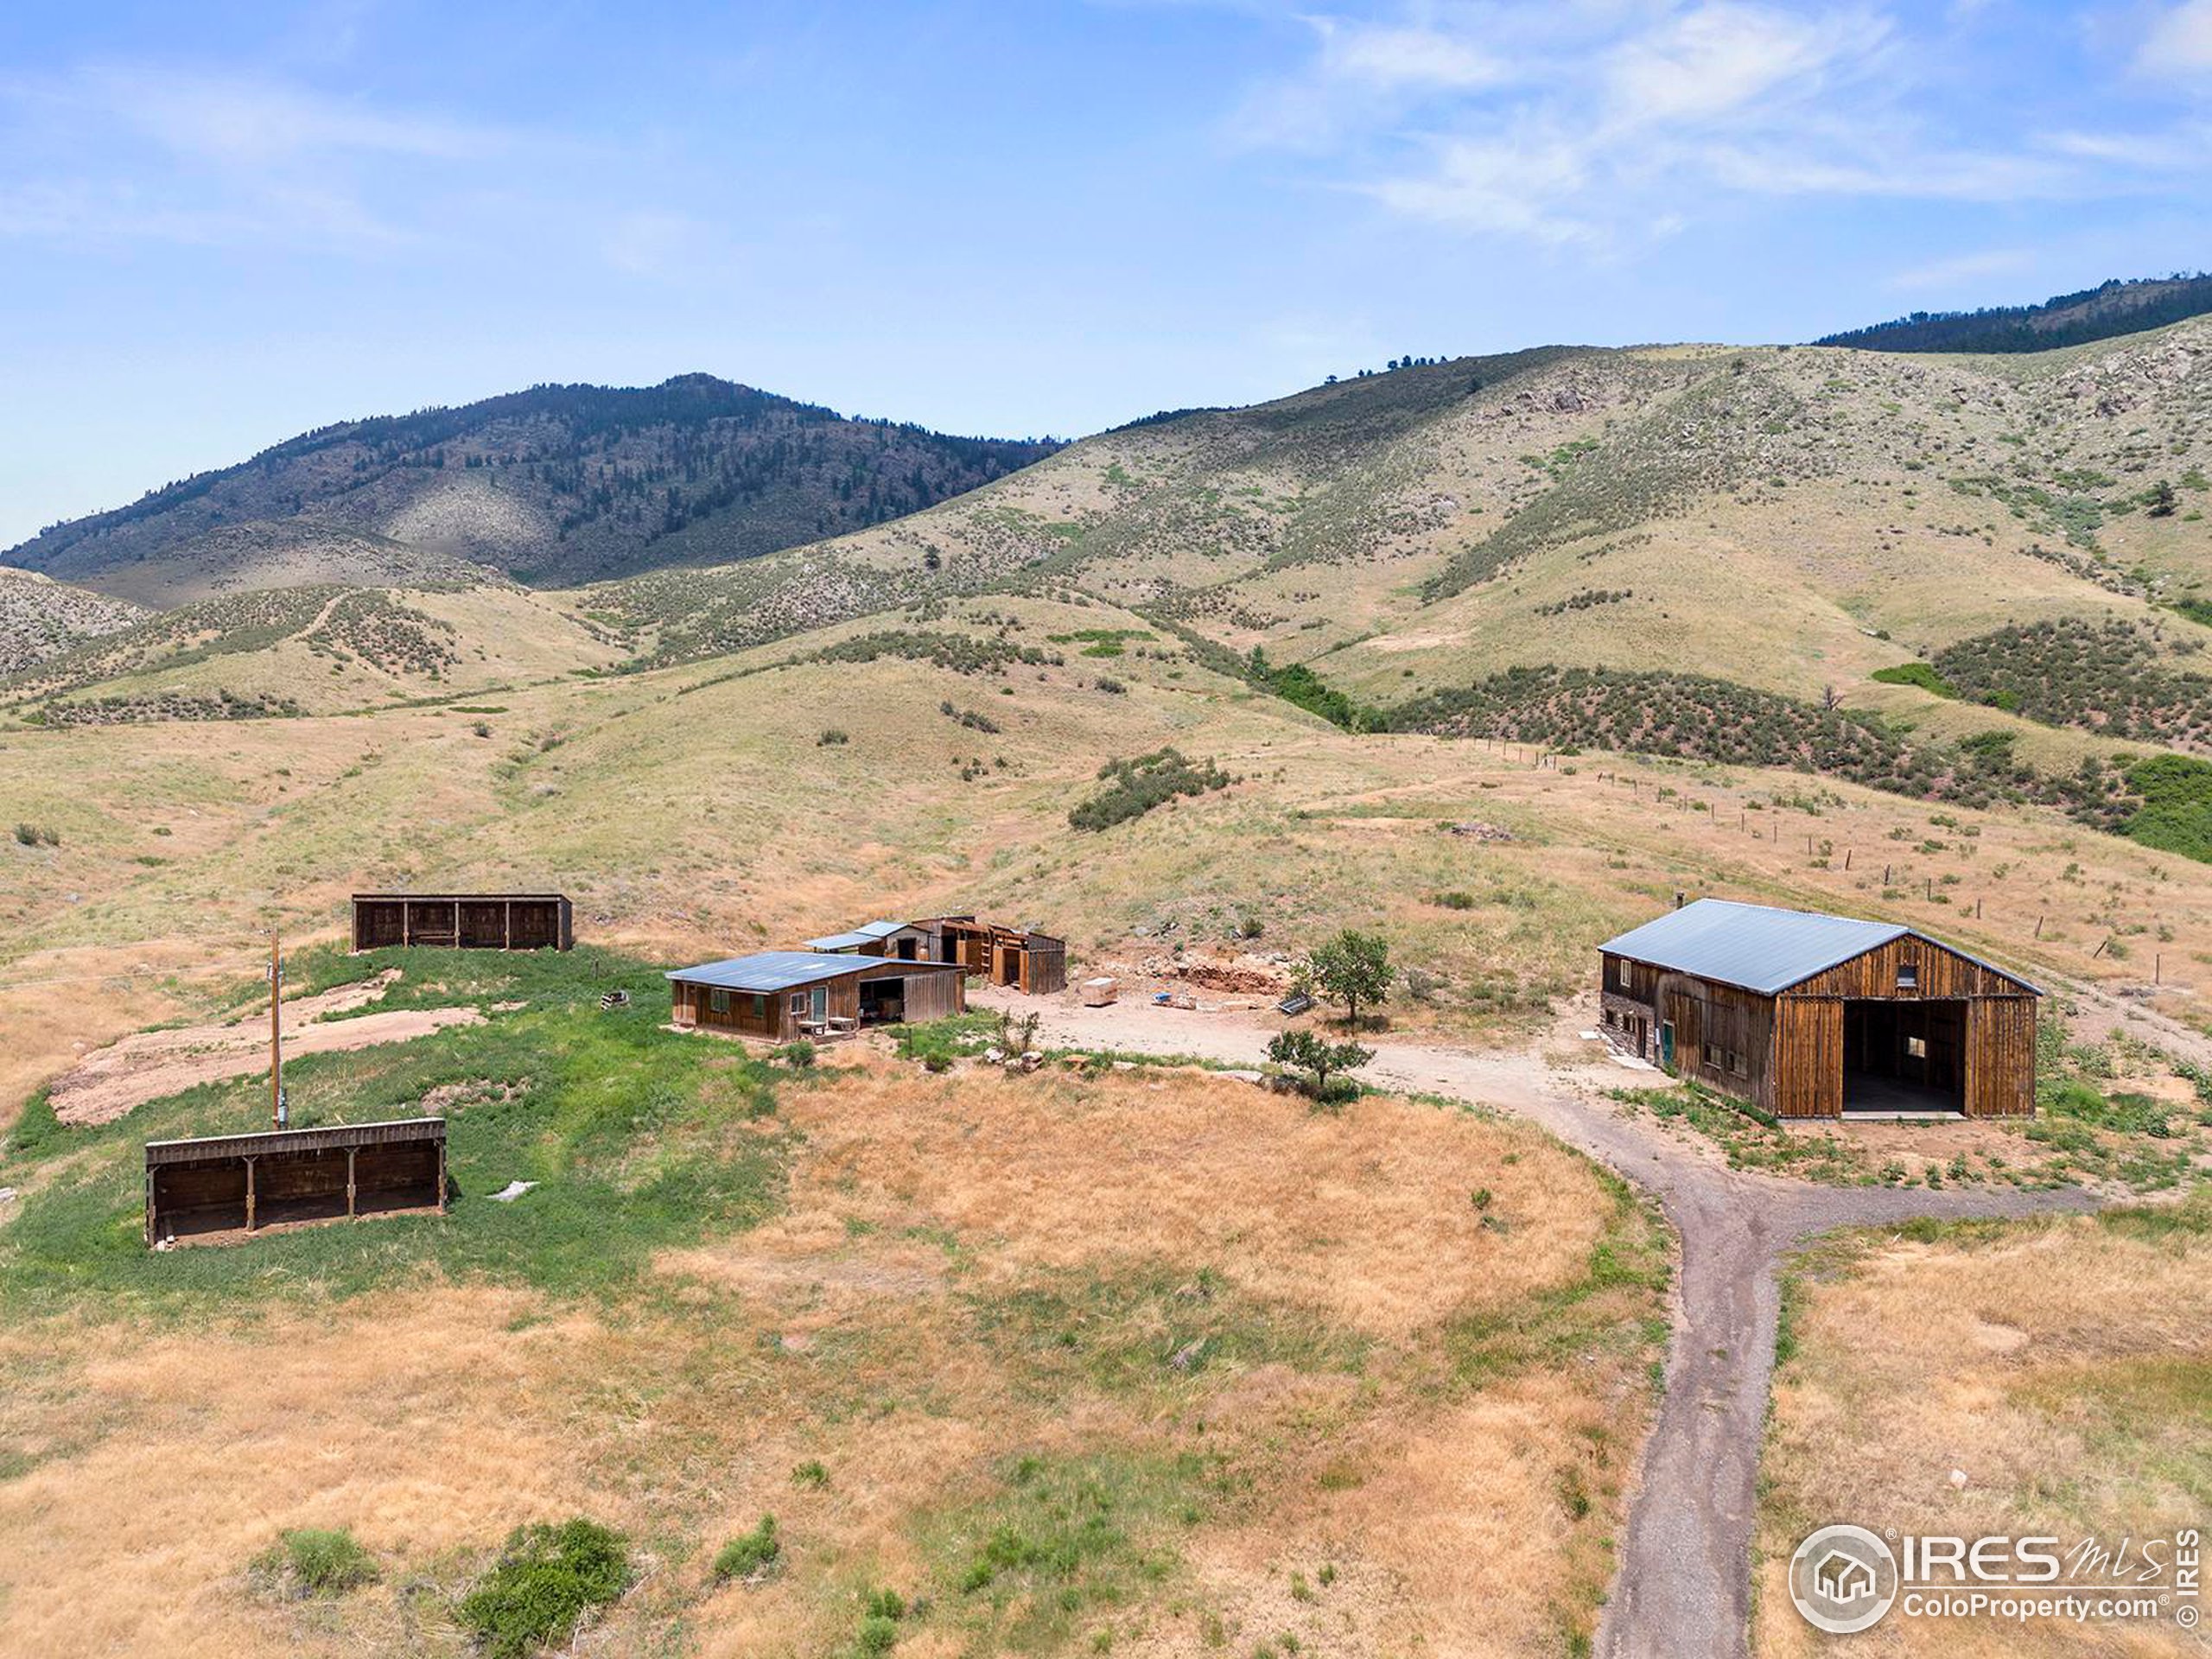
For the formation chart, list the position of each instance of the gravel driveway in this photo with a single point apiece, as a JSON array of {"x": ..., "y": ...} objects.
[{"x": 1683, "y": 1586}]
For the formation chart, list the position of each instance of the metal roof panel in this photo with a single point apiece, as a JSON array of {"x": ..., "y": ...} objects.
[{"x": 1757, "y": 947}]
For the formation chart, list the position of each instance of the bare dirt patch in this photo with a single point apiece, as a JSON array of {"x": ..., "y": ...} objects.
[{"x": 149, "y": 1064}]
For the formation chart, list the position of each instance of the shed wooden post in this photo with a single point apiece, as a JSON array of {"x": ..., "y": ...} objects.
[
  {"x": 442, "y": 1174},
  {"x": 456, "y": 924},
  {"x": 248, "y": 1195},
  {"x": 152, "y": 1227},
  {"x": 349, "y": 1183},
  {"x": 406, "y": 921},
  {"x": 507, "y": 930}
]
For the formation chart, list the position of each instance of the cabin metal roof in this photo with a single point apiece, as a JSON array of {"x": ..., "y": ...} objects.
[
  {"x": 866, "y": 933},
  {"x": 1761, "y": 948},
  {"x": 784, "y": 971}
]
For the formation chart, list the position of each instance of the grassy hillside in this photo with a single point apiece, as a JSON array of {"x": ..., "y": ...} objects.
[
  {"x": 556, "y": 484},
  {"x": 41, "y": 618},
  {"x": 1008, "y": 1380}
]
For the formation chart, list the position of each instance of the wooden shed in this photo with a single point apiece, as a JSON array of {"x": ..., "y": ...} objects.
[
  {"x": 1808, "y": 1015},
  {"x": 1024, "y": 958},
  {"x": 465, "y": 921},
  {"x": 782, "y": 995},
  {"x": 229, "y": 1183}
]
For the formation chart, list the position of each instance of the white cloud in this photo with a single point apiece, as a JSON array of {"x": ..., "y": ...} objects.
[
  {"x": 174, "y": 154},
  {"x": 1408, "y": 56},
  {"x": 1961, "y": 270},
  {"x": 1585, "y": 123},
  {"x": 2179, "y": 41},
  {"x": 1722, "y": 59}
]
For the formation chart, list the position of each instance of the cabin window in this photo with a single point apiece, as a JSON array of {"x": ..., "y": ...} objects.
[
  {"x": 799, "y": 1002},
  {"x": 1916, "y": 1047},
  {"x": 1712, "y": 1055},
  {"x": 1908, "y": 975},
  {"x": 1736, "y": 1062},
  {"x": 1620, "y": 976},
  {"x": 718, "y": 1000},
  {"x": 759, "y": 1006}
]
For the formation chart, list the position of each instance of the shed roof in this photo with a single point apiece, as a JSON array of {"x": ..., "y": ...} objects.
[
  {"x": 447, "y": 898},
  {"x": 851, "y": 941},
  {"x": 1759, "y": 947},
  {"x": 784, "y": 970},
  {"x": 263, "y": 1142}
]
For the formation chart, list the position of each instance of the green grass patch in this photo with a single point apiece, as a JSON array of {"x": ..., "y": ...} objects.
[
  {"x": 640, "y": 1138},
  {"x": 544, "y": 1582},
  {"x": 314, "y": 1562},
  {"x": 1922, "y": 675},
  {"x": 1150, "y": 1329},
  {"x": 1061, "y": 1543}
]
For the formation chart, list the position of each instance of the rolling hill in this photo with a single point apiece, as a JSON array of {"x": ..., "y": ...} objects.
[
  {"x": 2100, "y": 313},
  {"x": 552, "y": 486}
]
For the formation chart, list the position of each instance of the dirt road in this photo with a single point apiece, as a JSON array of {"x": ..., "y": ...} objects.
[
  {"x": 149, "y": 1064},
  {"x": 1683, "y": 1585}
]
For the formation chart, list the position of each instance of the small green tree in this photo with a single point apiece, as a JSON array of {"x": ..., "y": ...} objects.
[
  {"x": 1310, "y": 1052},
  {"x": 2163, "y": 501},
  {"x": 1353, "y": 969}
]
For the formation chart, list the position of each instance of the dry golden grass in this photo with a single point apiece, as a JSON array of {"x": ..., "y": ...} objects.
[
  {"x": 879, "y": 1325},
  {"x": 2060, "y": 1365}
]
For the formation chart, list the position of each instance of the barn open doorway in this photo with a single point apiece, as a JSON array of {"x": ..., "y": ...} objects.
[{"x": 1901, "y": 1057}]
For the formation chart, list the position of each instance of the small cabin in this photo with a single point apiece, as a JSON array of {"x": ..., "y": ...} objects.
[
  {"x": 783, "y": 996},
  {"x": 1811, "y": 1015},
  {"x": 464, "y": 921}
]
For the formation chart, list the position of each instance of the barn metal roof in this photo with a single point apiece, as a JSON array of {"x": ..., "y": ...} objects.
[
  {"x": 1758, "y": 947},
  {"x": 784, "y": 970}
]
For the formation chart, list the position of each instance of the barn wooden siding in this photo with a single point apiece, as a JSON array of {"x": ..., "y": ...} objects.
[
  {"x": 1791, "y": 1046},
  {"x": 221, "y": 1183},
  {"x": 466, "y": 921}
]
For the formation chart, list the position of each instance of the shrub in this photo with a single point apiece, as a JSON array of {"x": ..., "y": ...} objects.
[
  {"x": 799, "y": 1056},
  {"x": 545, "y": 1580},
  {"x": 811, "y": 1474},
  {"x": 1318, "y": 1058},
  {"x": 1454, "y": 900},
  {"x": 314, "y": 1561},
  {"x": 751, "y": 1555},
  {"x": 1919, "y": 674},
  {"x": 1134, "y": 787}
]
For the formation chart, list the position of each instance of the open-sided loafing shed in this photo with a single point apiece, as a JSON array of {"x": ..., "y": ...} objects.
[
  {"x": 466, "y": 921},
  {"x": 225, "y": 1183},
  {"x": 1808, "y": 1016},
  {"x": 785, "y": 995}
]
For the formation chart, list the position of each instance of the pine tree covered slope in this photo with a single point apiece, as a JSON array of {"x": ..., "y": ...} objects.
[{"x": 554, "y": 485}]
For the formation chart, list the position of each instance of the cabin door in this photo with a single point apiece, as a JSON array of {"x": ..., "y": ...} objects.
[
  {"x": 1667, "y": 1045},
  {"x": 821, "y": 1005}
]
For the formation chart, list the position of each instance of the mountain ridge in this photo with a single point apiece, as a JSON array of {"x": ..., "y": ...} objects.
[{"x": 553, "y": 485}]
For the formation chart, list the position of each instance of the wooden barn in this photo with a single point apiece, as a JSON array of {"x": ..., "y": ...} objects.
[
  {"x": 466, "y": 921},
  {"x": 228, "y": 1182},
  {"x": 1028, "y": 960},
  {"x": 1808, "y": 1015},
  {"x": 782, "y": 995}
]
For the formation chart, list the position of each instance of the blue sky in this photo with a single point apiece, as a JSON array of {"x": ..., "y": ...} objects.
[{"x": 221, "y": 224}]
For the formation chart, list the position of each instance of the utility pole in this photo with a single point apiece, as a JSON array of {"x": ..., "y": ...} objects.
[{"x": 277, "y": 1112}]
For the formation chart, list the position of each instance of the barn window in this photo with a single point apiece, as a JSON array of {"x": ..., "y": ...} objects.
[
  {"x": 1916, "y": 1047},
  {"x": 718, "y": 1000},
  {"x": 1908, "y": 975},
  {"x": 1712, "y": 1055},
  {"x": 1736, "y": 1062}
]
